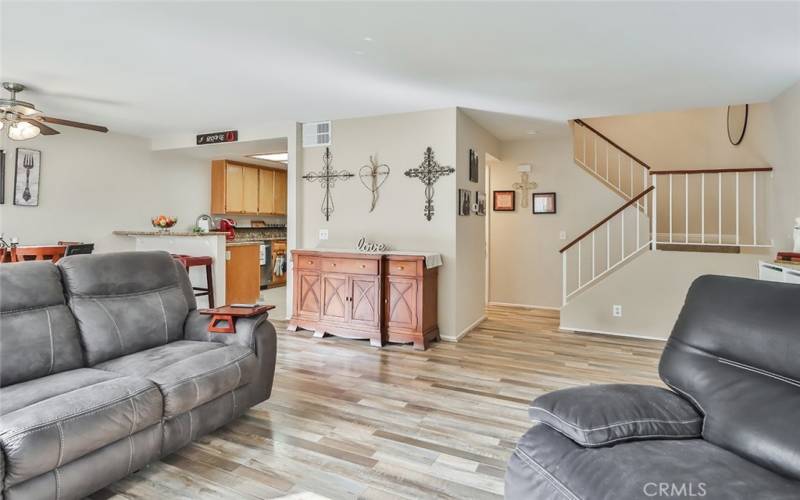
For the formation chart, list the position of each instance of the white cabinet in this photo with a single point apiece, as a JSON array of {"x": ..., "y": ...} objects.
[{"x": 769, "y": 271}]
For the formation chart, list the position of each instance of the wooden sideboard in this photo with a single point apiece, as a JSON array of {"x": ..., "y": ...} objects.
[{"x": 365, "y": 296}]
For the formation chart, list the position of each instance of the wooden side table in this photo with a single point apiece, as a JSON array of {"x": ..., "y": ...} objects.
[{"x": 223, "y": 319}]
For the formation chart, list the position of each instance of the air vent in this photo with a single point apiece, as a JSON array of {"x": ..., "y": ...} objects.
[{"x": 316, "y": 134}]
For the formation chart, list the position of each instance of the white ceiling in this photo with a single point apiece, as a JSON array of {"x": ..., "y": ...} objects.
[{"x": 155, "y": 68}]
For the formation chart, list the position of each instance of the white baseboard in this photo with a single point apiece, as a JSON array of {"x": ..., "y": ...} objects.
[
  {"x": 604, "y": 332},
  {"x": 523, "y": 306},
  {"x": 466, "y": 330}
]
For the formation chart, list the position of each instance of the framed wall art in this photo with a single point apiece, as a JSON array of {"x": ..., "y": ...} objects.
[
  {"x": 26, "y": 177},
  {"x": 464, "y": 201},
  {"x": 544, "y": 203},
  {"x": 480, "y": 202},
  {"x": 504, "y": 201},
  {"x": 474, "y": 164},
  {"x": 2, "y": 176}
]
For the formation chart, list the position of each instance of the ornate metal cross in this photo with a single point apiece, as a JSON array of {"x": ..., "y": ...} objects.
[
  {"x": 429, "y": 172},
  {"x": 525, "y": 186},
  {"x": 373, "y": 176},
  {"x": 327, "y": 178}
]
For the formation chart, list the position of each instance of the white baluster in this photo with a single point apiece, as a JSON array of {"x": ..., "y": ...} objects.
[
  {"x": 686, "y": 206},
  {"x": 608, "y": 245},
  {"x": 645, "y": 174},
  {"x": 637, "y": 227},
  {"x": 670, "y": 208},
  {"x": 719, "y": 208},
  {"x": 593, "y": 259},
  {"x": 579, "y": 262},
  {"x": 703, "y": 208},
  {"x": 584, "y": 146},
  {"x": 622, "y": 215},
  {"x": 737, "y": 208},
  {"x": 755, "y": 235},
  {"x": 595, "y": 154},
  {"x": 564, "y": 278},
  {"x": 631, "y": 179},
  {"x": 606, "y": 162},
  {"x": 654, "y": 215},
  {"x": 619, "y": 172}
]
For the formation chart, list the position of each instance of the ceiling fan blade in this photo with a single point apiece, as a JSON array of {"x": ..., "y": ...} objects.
[
  {"x": 45, "y": 130},
  {"x": 70, "y": 123}
]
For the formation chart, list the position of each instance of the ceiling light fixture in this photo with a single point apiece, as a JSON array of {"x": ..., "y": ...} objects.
[
  {"x": 280, "y": 157},
  {"x": 532, "y": 132},
  {"x": 21, "y": 131},
  {"x": 367, "y": 38}
]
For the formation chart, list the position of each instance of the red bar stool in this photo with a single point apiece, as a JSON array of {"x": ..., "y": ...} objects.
[{"x": 190, "y": 261}]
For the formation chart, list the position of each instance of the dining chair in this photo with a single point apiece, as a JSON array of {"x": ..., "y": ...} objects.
[
  {"x": 21, "y": 254},
  {"x": 79, "y": 249}
]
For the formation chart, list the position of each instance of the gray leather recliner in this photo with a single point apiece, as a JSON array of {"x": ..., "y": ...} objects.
[
  {"x": 106, "y": 365},
  {"x": 729, "y": 428}
]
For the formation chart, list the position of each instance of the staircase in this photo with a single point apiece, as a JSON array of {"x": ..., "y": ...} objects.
[{"x": 693, "y": 210}]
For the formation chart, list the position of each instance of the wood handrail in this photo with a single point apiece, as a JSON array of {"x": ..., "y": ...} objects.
[
  {"x": 615, "y": 212},
  {"x": 634, "y": 158},
  {"x": 711, "y": 171}
]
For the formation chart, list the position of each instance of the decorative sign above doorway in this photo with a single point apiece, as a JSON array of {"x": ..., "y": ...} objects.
[
  {"x": 429, "y": 172},
  {"x": 218, "y": 137},
  {"x": 327, "y": 178}
]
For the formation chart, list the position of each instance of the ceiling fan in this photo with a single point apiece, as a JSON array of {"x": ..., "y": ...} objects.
[{"x": 23, "y": 121}]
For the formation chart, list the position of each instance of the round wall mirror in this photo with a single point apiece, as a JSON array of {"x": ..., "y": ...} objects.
[{"x": 737, "y": 123}]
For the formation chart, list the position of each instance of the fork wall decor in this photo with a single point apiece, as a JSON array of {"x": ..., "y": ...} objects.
[
  {"x": 26, "y": 177},
  {"x": 429, "y": 172},
  {"x": 327, "y": 178}
]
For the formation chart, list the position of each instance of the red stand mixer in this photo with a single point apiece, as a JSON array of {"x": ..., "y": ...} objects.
[{"x": 227, "y": 226}]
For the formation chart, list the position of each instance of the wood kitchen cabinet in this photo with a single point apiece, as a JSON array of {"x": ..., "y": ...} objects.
[
  {"x": 243, "y": 188},
  {"x": 380, "y": 297},
  {"x": 242, "y": 273}
]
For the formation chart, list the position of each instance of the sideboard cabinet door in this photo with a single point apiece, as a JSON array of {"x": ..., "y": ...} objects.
[
  {"x": 364, "y": 294},
  {"x": 334, "y": 297},
  {"x": 308, "y": 305},
  {"x": 401, "y": 303}
]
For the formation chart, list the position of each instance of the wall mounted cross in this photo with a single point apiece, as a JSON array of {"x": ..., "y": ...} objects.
[
  {"x": 429, "y": 171},
  {"x": 373, "y": 176},
  {"x": 327, "y": 178},
  {"x": 524, "y": 186}
]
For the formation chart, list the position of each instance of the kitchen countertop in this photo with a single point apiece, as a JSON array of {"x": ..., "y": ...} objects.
[
  {"x": 241, "y": 243},
  {"x": 167, "y": 233}
]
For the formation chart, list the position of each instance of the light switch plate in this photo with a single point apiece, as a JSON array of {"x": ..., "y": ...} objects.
[
  {"x": 323, "y": 234},
  {"x": 616, "y": 311},
  {"x": 562, "y": 235}
]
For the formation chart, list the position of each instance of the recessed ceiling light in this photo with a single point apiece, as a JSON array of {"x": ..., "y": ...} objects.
[
  {"x": 367, "y": 38},
  {"x": 532, "y": 132},
  {"x": 358, "y": 52},
  {"x": 281, "y": 157}
]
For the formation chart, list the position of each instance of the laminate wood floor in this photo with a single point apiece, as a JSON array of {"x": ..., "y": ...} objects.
[{"x": 346, "y": 420}]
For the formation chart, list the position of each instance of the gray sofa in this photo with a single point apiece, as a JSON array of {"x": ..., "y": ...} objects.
[
  {"x": 728, "y": 429},
  {"x": 106, "y": 365}
]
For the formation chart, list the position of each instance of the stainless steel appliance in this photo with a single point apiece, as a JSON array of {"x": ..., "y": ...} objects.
[{"x": 265, "y": 261}]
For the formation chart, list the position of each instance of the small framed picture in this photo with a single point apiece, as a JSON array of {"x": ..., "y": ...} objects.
[
  {"x": 544, "y": 203},
  {"x": 464, "y": 202},
  {"x": 480, "y": 203},
  {"x": 26, "y": 177},
  {"x": 504, "y": 201},
  {"x": 473, "y": 165}
]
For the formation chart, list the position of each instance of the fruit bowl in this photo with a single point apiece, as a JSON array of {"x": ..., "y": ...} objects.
[{"x": 163, "y": 222}]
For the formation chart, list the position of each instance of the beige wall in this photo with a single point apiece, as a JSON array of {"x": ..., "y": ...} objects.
[
  {"x": 398, "y": 220},
  {"x": 471, "y": 229},
  {"x": 685, "y": 140},
  {"x": 93, "y": 184},
  {"x": 525, "y": 265},
  {"x": 651, "y": 289}
]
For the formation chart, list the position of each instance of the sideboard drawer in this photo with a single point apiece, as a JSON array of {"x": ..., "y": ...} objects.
[
  {"x": 350, "y": 266},
  {"x": 307, "y": 262},
  {"x": 401, "y": 268}
]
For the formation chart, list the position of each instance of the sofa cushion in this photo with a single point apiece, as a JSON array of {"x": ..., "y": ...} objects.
[
  {"x": 56, "y": 419},
  {"x": 189, "y": 373},
  {"x": 38, "y": 336},
  {"x": 549, "y": 466},
  {"x": 124, "y": 302},
  {"x": 733, "y": 352},
  {"x": 600, "y": 415}
]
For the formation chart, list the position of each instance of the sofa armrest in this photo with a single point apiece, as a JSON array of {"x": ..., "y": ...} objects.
[
  {"x": 601, "y": 415},
  {"x": 255, "y": 332}
]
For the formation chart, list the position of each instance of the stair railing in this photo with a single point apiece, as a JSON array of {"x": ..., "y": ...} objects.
[
  {"x": 612, "y": 164},
  {"x": 611, "y": 245},
  {"x": 716, "y": 207}
]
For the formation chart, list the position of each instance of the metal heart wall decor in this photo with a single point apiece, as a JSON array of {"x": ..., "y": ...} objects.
[{"x": 372, "y": 177}]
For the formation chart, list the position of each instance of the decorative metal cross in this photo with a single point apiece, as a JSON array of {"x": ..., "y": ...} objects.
[
  {"x": 327, "y": 178},
  {"x": 373, "y": 176},
  {"x": 429, "y": 172},
  {"x": 525, "y": 186}
]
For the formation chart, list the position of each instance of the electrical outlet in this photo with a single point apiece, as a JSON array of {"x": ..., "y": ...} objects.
[
  {"x": 616, "y": 311},
  {"x": 323, "y": 234},
  {"x": 562, "y": 235}
]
